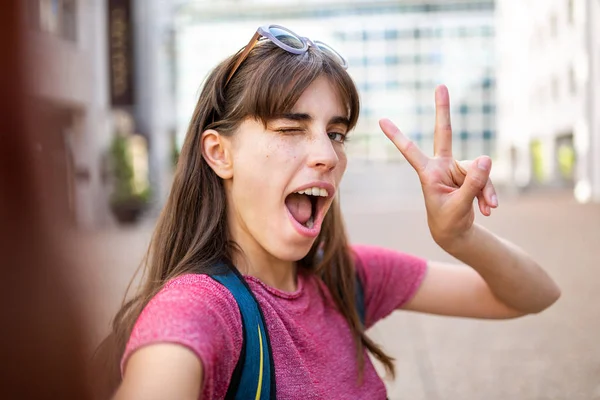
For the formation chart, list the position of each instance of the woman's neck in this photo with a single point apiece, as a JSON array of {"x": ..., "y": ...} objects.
[
  {"x": 276, "y": 273},
  {"x": 254, "y": 260}
]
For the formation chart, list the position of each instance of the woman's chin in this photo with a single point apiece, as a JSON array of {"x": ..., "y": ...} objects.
[
  {"x": 287, "y": 242},
  {"x": 294, "y": 249},
  {"x": 294, "y": 253}
]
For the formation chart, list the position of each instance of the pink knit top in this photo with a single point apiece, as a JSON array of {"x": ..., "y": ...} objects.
[{"x": 313, "y": 350}]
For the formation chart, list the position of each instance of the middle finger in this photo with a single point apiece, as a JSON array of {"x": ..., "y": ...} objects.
[{"x": 442, "y": 136}]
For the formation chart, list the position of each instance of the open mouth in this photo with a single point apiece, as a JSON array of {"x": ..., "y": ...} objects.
[{"x": 305, "y": 206}]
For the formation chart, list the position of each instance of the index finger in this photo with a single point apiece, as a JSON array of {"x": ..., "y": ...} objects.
[
  {"x": 409, "y": 150},
  {"x": 442, "y": 137}
]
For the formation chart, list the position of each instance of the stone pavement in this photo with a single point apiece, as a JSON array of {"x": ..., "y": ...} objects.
[{"x": 553, "y": 355}]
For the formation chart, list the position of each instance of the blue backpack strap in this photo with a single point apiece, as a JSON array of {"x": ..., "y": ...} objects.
[
  {"x": 359, "y": 299},
  {"x": 254, "y": 374}
]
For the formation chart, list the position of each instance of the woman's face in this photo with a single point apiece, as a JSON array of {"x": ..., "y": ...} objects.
[{"x": 274, "y": 170}]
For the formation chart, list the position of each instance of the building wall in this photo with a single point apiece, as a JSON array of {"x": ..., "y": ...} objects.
[
  {"x": 398, "y": 60},
  {"x": 594, "y": 106},
  {"x": 70, "y": 81},
  {"x": 512, "y": 92},
  {"x": 546, "y": 74},
  {"x": 154, "y": 109},
  {"x": 398, "y": 51}
]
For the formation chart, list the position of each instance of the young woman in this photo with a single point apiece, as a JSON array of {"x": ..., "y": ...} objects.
[{"x": 256, "y": 185}]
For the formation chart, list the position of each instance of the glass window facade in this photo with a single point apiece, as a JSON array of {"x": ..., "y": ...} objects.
[
  {"x": 397, "y": 55},
  {"x": 413, "y": 62}
]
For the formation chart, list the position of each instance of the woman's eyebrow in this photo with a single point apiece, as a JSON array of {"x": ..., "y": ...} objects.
[
  {"x": 339, "y": 120},
  {"x": 300, "y": 117},
  {"x": 303, "y": 117}
]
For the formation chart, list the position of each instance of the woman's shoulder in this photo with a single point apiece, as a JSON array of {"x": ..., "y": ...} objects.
[
  {"x": 192, "y": 291},
  {"x": 193, "y": 282},
  {"x": 184, "y": 306},
  {"x": 383, "y": 263},
  {"x": 370, "y": 253},
  {"x": 194, "y": 311},
  {"x": 389, "y": 277}
]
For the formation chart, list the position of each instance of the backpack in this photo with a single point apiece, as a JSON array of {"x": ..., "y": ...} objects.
[{"x": 254, "y": 373}]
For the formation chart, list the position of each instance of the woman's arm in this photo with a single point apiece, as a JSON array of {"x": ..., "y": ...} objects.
[
  {"x": 161, "y": 371},
  {"x": 190, "y": 332},
  {"x": 503, "y": 280}
]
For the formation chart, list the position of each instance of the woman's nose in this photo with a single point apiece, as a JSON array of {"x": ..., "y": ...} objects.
[{"x": 322, "y": 153}]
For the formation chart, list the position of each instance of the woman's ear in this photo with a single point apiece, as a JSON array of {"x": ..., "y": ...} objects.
[{"x": 216, "y": 150}]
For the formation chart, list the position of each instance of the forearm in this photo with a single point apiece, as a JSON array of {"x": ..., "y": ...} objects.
[{"x": 512, "y": 275}]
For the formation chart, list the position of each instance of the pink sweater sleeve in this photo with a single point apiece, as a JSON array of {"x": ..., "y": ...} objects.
[
  {"x": 390, "y": 279},
  {"x": 199, "y": 313}
]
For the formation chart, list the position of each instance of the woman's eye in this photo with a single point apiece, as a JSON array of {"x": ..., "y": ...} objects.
[
  {"x": 337, "y": 137},
  {"x": 290, "y": 130}
]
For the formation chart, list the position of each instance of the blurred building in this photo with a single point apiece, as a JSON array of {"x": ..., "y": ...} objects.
[
  {"x": 154, "y": 105},
  {"x": 102, "y": 66},
  {"x": 68, "y": 46},
  {"x": 398, "y": 51},
  {"x": 141, "y": 67},
  {"x": 549, "y": 94}
]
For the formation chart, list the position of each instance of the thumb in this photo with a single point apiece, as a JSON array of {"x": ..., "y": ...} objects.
[{"x": 476, "y": 179}]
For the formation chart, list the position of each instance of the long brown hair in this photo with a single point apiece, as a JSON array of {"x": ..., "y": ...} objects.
[{"x": 191, "y": 232}]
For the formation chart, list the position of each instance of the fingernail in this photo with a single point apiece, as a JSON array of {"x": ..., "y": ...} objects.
[
  {"x": 495, "y": 200},
  {"x": 484, "y": 163},
  {"x": 441, "y": 93},
  {"x": 385, "y": 125}
]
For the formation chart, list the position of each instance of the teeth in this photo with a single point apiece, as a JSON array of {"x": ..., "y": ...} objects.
[
  {"x": 314, "y": 191},
  {"x": 310, "y": 223}
]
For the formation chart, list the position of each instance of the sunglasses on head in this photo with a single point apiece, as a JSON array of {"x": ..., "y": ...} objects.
[{"x": 288, "y": 41}]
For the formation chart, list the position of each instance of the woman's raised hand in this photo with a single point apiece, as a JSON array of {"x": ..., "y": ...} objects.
[{"x": 449, "y": 186}]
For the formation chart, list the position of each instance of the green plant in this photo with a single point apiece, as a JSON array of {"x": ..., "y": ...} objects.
[
  {"x": 124, "y": 190},
  {"x": 175, "y": 152}
]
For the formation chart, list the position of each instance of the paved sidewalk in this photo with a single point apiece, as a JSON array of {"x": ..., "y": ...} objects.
[{"x": 554, "y": 355}]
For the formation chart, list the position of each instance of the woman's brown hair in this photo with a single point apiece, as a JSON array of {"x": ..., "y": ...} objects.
[{"x": 191, "y": 233}]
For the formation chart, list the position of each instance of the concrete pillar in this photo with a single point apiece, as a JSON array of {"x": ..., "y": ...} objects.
[
  {"x": 154, "y": 111},
  {"x": 587, "y": 133},
  {"x": 594, "y": 106}
]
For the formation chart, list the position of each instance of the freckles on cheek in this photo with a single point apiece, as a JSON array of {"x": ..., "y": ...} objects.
[{"x": 281, "y": 152}]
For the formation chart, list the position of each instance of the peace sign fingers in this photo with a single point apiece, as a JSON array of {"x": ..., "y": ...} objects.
[{"x": 449, "y": 187}]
